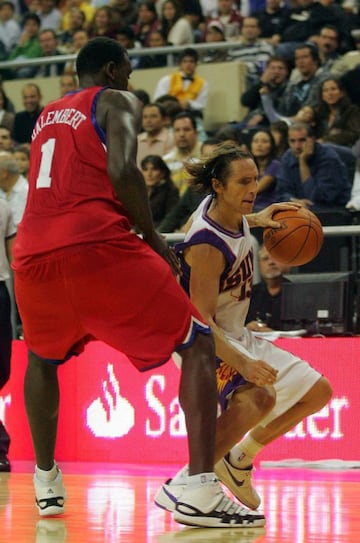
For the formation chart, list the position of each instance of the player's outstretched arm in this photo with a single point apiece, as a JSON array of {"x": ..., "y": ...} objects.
[{"x": 265, "y": 216}]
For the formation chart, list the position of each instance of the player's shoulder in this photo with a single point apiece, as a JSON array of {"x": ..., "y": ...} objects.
[{"x": 114, "y": 97}]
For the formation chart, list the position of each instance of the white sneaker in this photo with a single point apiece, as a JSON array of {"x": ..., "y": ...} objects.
[
  {"x": 208, "y": 506},
  {"x": 167, "y": 495},
  {"x": 239, "y": 482},
  {"x": 50, "y": 496}
]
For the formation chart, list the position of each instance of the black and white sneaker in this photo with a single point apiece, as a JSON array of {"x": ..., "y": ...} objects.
[
  {"x": 50, "y": 496},
  {"x": 208, "y": 506}
]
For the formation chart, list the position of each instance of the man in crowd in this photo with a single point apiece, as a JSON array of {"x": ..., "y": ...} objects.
[
  {"x": 187, "y": 146},
  {"x": 25, "y": 120},
  {"x": 49, "y": 43},
  {"x": 251, "y": 49},
  {"x": 185, "y": 84},
  {"x": 265, "y": 302},
  {"x": 311, "y": 173},
  {"x": 274, "y": 78},
  {"x": 155, "y": 139}
]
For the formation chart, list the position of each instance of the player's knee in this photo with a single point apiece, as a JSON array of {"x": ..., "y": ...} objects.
[
  {"x": 324, "y": 391},
  {"x": 264, "y": 399}
]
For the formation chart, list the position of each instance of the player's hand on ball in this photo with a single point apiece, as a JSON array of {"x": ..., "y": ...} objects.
[
  {"x": 265, "y": 216},
  {"x": 259, "y": 372}
]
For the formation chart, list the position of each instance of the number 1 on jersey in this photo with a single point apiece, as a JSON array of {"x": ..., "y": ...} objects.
[{"x": 47, "y": 153}]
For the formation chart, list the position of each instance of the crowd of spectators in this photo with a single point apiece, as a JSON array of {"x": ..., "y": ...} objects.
[{"x": 303, "y": 116}]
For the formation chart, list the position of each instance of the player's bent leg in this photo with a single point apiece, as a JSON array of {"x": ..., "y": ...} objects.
[
  {"x": 314, "y": 400},
  {"x": 202, "y": 501},
  {"x": 41, "y": 390},
  {"x": 247, "y": 407}
]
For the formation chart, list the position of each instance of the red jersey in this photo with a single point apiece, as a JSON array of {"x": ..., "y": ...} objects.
[{"x": 71, "y": 199}]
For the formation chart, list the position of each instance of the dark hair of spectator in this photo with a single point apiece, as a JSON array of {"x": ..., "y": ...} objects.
[
  {"x": 167, "y": 24},
  {"x": 278, "y": 59},
  {"x": 98, "y": 52},
  {"x": 150, "y": 6},
  {"x": 301, "y": 126},
  {"x": 331, "y": 27},
  {"x": 8, "y": 4},
  {"x": 142, "y": 95},
  {"x": 313, "y": 48},
  {"x": 158, "y": 164},
  {"x": 80, "y": 11},
  {"x": 273, "y": 148},
  {"x": 30, "y": 16},
  {"x": 159, "y": 107},
  {"x": 51, "y": 30},
  {"x": 171, "y": 104},
  {"x": 5, "y": 99},
  {"x": 160, "y": 32},
  {"x": 189, "y": 52},
  {"x": 232, "y": 133},
  {"x": 282, "y": 128},
  {"x": 323, "y": 108},
  {"x": 22, "y": 149},
  {"x": 126, "y": 31},
  {"x": 186, "y": 115},
  {"x": 216, "y": 165}
]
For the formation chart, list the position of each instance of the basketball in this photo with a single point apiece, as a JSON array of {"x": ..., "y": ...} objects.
[{"x": 298, "y": 240}]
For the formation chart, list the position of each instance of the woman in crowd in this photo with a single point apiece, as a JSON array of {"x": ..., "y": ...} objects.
[
  {"x": 146, "y": 23},
  {"x": 102, "y": 23},
  {"x": 176, "y": 27},
  {"x": 156, "y": 38},
  {"x": 336, "y": 119},
  {"x": 215, "y": 33},
  {"x": 263, "y": 149},
  {"x": 163, "y": 194},
  {"x": 279, "y": 131},
  {"x": 6, "y": 116}
]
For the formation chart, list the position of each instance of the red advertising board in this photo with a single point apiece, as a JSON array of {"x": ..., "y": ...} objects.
[{"x": 110, "y": 412}]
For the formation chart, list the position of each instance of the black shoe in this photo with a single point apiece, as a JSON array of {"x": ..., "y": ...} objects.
[{"x": 4, "y": 464}]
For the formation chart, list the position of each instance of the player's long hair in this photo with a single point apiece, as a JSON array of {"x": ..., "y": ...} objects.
[{"x": 216, "y": 165}]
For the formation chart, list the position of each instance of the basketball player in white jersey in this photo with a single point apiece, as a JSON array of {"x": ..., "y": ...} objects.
[{"x": 217, "y": 266}]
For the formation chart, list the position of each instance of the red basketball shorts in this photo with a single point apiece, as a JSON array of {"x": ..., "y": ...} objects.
[{"x": 119, "y": 292}]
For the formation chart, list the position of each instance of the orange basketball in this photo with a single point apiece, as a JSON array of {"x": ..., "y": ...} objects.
[{"x": 298, "y": 240}]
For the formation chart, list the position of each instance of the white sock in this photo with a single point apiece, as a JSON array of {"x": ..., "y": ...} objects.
[
  {"x": 181, "y": 476},
  {"x": 200, "y": 479},
  {"x": 243, "y": 454},
  {"x": 47, "y": 475}
]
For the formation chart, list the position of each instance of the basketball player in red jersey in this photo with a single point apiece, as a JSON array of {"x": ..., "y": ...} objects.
[{"x": 85, "y": 192}]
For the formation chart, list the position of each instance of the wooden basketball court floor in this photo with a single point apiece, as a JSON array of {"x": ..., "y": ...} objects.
[{"x": 114, "y": 504}]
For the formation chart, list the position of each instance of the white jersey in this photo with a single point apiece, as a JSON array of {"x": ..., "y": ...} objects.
[
  {"x": 295, "y": 376},
  {"x": 236, "y": 279}
]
